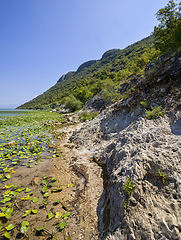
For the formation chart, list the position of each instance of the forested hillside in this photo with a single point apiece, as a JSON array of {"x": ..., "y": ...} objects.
[{"x": 109, "y": 72}]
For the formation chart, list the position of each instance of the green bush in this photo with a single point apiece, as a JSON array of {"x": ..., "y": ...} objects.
[
  {"x": 73, "y": 103},
  {"x": 53, "y": 104},
  {"x": 86, "y": 116},
  {"x": 144, "y": 103},
  {"x": 156, "y": 112},
  {"x": 128, "y": 186}
]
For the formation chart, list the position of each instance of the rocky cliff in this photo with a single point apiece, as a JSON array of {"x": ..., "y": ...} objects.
[
  {"x": 147, "y": 152},
  {"x": 66, "y": 76},
  {"x": 109, "y": 53}
]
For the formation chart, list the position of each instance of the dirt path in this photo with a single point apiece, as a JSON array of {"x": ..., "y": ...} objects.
[{"x": 75, "y": 166}]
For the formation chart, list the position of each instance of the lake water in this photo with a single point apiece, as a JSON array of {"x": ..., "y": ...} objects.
[{"x": 11, "y": 112}]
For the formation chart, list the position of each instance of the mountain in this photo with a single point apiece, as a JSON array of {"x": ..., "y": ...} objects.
[{"x": 91, "y": 77}]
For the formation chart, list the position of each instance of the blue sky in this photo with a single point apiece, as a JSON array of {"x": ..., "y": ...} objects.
[{"x": 40, "y": 40}]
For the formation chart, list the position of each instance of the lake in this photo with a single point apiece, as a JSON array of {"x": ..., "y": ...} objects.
[{"x": 12, "y": 112}]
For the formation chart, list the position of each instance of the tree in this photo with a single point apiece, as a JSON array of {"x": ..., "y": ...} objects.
[
  {"x": 73, "y": 103},
  {"x": 168, "y": 31}
]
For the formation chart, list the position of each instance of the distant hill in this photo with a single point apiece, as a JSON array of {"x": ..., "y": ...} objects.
[{"x": 92, "y": 77}]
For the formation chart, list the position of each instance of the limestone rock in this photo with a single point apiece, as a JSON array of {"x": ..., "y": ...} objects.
[{"x": 124, "y": 139}]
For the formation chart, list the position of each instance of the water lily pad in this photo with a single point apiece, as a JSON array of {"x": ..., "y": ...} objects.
[
  {"x": 46, "y": 195},
  {"x": 9, "y": 227},
  {"x": 34, "y": 211},
  {"x": 2, "y": 214},
  {"x": 58, "y": 215},
  {"x": 44, "y": 189},
  {"x": 70, "y": 185},
  {"x": 27, "y": 190},
  {"x": 66, "y": 215},
  {"x": 8, "y": 212},
  {"x": 62, "y": 225},
  {"x": 41, "y": 228},
  {"x": 8, "y": 176},
  {"x": 7, "y": 235},
  {"x": 50, "y": 216},
  {"x": 58, "y": 189},
  {"x": 24, "y": 226},
  {"x": 35, "y": 199},
  {"x": 43, "y": 181}
]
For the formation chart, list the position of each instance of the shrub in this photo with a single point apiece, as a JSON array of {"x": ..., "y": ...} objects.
[
  {"x": 73, "y": 103},
  {"x": 144, "y": 103},
  {"x": 53, "y": 104},
  {"x": 154, "y": 113},
  {"x": 86, "y": 116},
  {"x": 128, "y": 186}
]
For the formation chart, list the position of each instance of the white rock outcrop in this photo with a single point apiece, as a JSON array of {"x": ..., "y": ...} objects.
[{"x": 121, "y": 139}]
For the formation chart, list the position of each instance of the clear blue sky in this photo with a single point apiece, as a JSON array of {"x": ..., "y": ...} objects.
[{"x": 42, "y": 39}]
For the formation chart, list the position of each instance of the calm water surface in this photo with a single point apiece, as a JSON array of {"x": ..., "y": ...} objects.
[{"x": 12, "y": 112}]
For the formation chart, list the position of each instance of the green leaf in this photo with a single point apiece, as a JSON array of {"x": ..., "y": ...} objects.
[
  {"x": 25, "y": 223},
  {"x": 2, "y": 215},
  {"x": 7, "y": 235},
  {"x": 35, "y": 199},
  {"x": 44, "y": 189},
  {"x": 20, "y": 189},
  {"x": 27, "y": 190},
  {"x": 70, "y": 185},
  {"x": 62, "y": 225},
  {"x": 7, "y": 199},
  {"x": 9, "y": 227},
  {"x": 43, "y": 181},
  {"x": 45, "y": 177},
  {"x": 54, "y": 179},
  {"x": 66, "y": 215},
  {"x": 46, "y": 195},
  {"x": 58, "y": 189},
  {"x": 41, "y": 228},
  {"x": 8, "y": 176},
  {"x": 30, "y": 194},
  {"x": 23, "y": 229},
  {"x": 27, "y": 212},
  {"x": 50, "y": 216},
  {"x": 45, "y": 203},
  {"x": 34, "y": 211},
  {"x": 8, "y": 212},
  {"x": 58, "y": 215}
]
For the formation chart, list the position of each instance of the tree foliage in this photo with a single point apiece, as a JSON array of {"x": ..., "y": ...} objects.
[
  {"x": 168, "y": 31},
  {"x": 73, "y": 103}
]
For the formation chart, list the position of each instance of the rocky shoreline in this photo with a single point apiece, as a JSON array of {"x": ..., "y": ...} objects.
[{"x": 121, "y": 140}]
